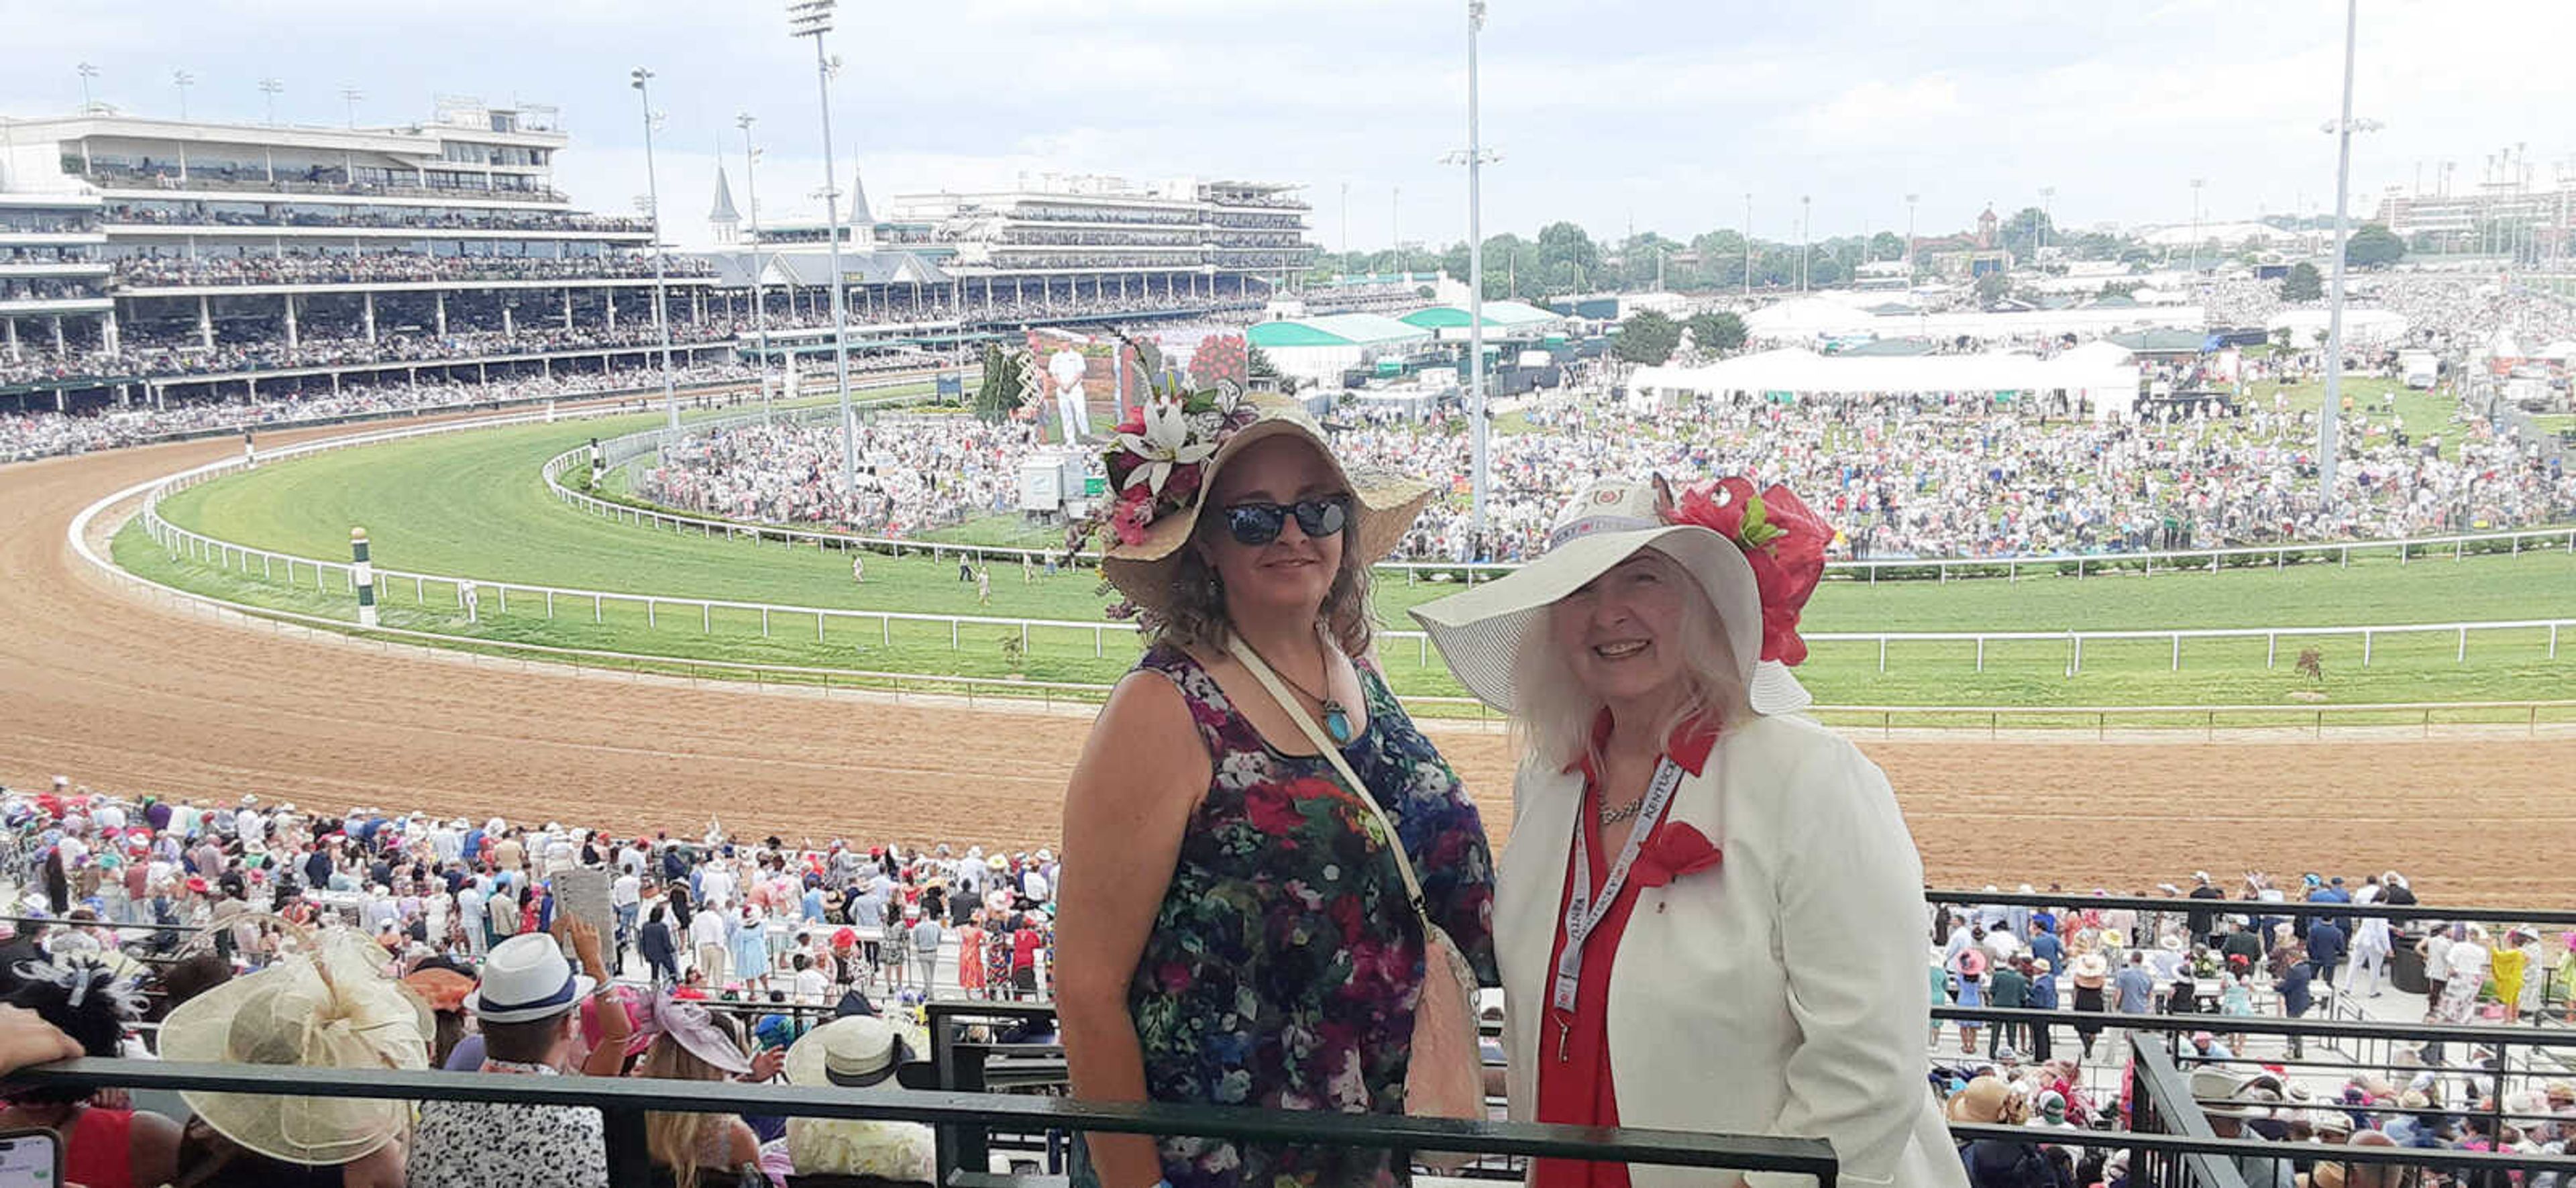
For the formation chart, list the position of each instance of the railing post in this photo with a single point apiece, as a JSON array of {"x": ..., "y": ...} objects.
[{"x": 630, "y": 1163}]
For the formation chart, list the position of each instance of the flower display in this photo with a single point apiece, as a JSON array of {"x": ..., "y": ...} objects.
[
  {"x": 1158, "y": 456},
  {"x": 1782, "y": 539}
]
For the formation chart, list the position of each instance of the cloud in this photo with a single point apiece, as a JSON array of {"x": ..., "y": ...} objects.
[{"x": 1880, "y": 113}]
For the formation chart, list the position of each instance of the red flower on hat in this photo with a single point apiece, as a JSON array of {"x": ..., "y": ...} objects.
[
  {"x": 1783, "y": 541},
  {"x": 1676, "y": 849}
]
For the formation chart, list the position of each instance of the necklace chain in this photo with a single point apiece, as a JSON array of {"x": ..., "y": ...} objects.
[
  {"x": 1328, "y": 703},
  {"x": 1612, "y": 816}
]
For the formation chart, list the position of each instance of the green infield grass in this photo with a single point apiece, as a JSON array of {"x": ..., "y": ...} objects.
[{"x": 473, "y": 505}]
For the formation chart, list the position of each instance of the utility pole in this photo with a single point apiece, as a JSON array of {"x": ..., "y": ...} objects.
[
  {"x": 1475, "y": 271},
  {"x": 661, "y": 300},
  {"x": 759, "y": 295},
  {"x": 813, "y": 18},
  {"x": 2329, "y": 416},
  {"x": 1748, "y": 243},
  {"x": 1909, "y": 239}
]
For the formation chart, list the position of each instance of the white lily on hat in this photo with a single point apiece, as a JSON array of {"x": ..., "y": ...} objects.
[{"x": 1164, "y": 443}]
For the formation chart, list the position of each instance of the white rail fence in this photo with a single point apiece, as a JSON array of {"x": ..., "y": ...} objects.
[
  {"x": 804, "y": 678},
  {"x": 493, "y": 597},
  {"x": 2274, "y": 556},
  {"x": 452, "y": 590}
]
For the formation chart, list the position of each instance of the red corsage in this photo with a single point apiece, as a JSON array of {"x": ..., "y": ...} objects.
[
  {"x": 1784, "y": 542},
  {"x": 1675, "y": 850}
]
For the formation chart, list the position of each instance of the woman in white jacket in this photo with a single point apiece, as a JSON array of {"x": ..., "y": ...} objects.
[{"x": 1710, "y": 915}]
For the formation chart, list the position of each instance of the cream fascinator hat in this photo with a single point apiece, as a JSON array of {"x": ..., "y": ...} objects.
[{"x": 326, "y": 1007}]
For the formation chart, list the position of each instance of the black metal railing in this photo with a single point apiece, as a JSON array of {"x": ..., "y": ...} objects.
[{"x": 624, "y": 1101}]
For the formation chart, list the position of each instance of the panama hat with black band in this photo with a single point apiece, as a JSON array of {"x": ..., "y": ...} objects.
[{"x": 526, "y": 978}]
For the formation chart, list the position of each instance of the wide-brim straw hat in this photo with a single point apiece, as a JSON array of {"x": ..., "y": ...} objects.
[
  {"x": 1984, "y": 1101},
  {"x": 1383, "y": 505},
  {"x": 2090, "y": 970},
  {"x": 328, "y": 1008},
  {"x": 1480, "y": 631},
  {"x": 851, "y": 1051}
]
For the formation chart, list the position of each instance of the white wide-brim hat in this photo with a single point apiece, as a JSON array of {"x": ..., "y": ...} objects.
[
  {"x": 526, "y": 978},
  {"x": 1480, "y": 631},
  {"x": 851, "y": 1051}
]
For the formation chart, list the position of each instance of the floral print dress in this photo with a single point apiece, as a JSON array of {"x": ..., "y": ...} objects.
[{"x": 1285, "y": 962}]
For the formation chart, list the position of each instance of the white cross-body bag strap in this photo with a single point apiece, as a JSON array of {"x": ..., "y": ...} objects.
[{"x": 1252, "y": 662}]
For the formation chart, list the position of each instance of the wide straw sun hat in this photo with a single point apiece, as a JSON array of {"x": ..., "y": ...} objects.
[
  {"x": 324, "y": 1008},
  {"x": 1480, "y": 631},
  {"x": 1164, "y": 461}
]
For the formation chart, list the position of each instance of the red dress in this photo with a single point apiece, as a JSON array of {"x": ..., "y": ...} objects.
[{"x": 1578, "y": 1090}]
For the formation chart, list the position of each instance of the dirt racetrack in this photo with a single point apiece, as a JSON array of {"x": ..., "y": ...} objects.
[{"x": 130, "y": 696}]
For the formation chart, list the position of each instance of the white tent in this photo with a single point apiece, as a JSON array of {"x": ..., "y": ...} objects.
[
  {"x": 2560, "y": 351},
  {"x": 2361, "y": 327},
  {"x": 2104, "y": 376}
]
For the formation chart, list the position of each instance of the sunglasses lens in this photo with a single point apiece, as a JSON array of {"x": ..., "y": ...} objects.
[
  {"x": 1322, "y": 517},
  {"x": 1255, "y": 523}
]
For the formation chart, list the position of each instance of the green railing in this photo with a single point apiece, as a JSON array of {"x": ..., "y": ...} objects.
[{"x": 624, "y": 1101}]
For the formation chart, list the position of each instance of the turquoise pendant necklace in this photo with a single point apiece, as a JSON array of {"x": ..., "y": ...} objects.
[{"x": 1337, "y": 717}]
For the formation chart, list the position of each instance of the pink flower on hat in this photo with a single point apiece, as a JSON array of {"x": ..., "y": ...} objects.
[{"x": 1782, "y": 540}]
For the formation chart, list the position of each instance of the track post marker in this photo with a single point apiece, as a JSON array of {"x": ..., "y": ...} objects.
[{"x": 363, "y": 575}]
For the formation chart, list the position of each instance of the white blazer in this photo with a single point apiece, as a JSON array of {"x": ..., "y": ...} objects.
[{"x": 1780, "y": 993}]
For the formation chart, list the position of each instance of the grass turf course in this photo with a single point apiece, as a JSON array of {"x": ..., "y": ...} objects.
[{"x": 472, "y": 504}]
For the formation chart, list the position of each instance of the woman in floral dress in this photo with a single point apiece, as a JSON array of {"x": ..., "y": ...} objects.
[{"x": 1235, "y": 927}]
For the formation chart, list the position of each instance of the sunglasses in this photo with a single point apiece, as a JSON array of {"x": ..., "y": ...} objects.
[{"x": 1260, "y": 523}]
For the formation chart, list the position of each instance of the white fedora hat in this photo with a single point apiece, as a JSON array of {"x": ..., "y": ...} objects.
[
  {"x": 1480, "y": 630},
  {"x": 526, "y": 978}
]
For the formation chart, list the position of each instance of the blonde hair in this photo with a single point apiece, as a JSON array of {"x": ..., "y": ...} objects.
[
  {"x": 674, "y": 1140},
  {"x": 1553, "y": 717}
]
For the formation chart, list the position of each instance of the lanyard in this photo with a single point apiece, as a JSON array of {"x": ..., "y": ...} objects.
[{"x": 1582, "y": 912}]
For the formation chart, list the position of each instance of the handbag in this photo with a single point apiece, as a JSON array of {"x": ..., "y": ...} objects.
[{"x": 1445, "y": 1070}]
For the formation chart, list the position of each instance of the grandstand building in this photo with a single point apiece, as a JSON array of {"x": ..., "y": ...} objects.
[
  {"x": 237, "y": 252},
  {"x": 2499, "y": 218},
  {"x": 1106, "y": 235}
]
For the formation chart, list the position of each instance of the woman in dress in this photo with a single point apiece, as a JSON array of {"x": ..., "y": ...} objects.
[
  {"x": 2467, "y": 963},
  {"x": 1710, "y": 910},
  {"x": 1236, "y": 928}
]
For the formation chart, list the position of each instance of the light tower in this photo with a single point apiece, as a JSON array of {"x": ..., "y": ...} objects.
[
  {"x": 640, "y": 78},
  {"x": 813, "y": 18}
]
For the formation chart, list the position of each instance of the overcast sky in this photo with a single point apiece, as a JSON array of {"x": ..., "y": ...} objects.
[{"x": 1664, "y": 112}]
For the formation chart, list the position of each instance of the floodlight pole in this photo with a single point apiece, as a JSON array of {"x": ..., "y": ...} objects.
[
  {"x": 759, "y": 306},
  {"x": 813, "y": 18},
  {"x": 2331, "y": 413},
  {"x": 1475, "y": 276},
  {"x": 661, "y": 294}
]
